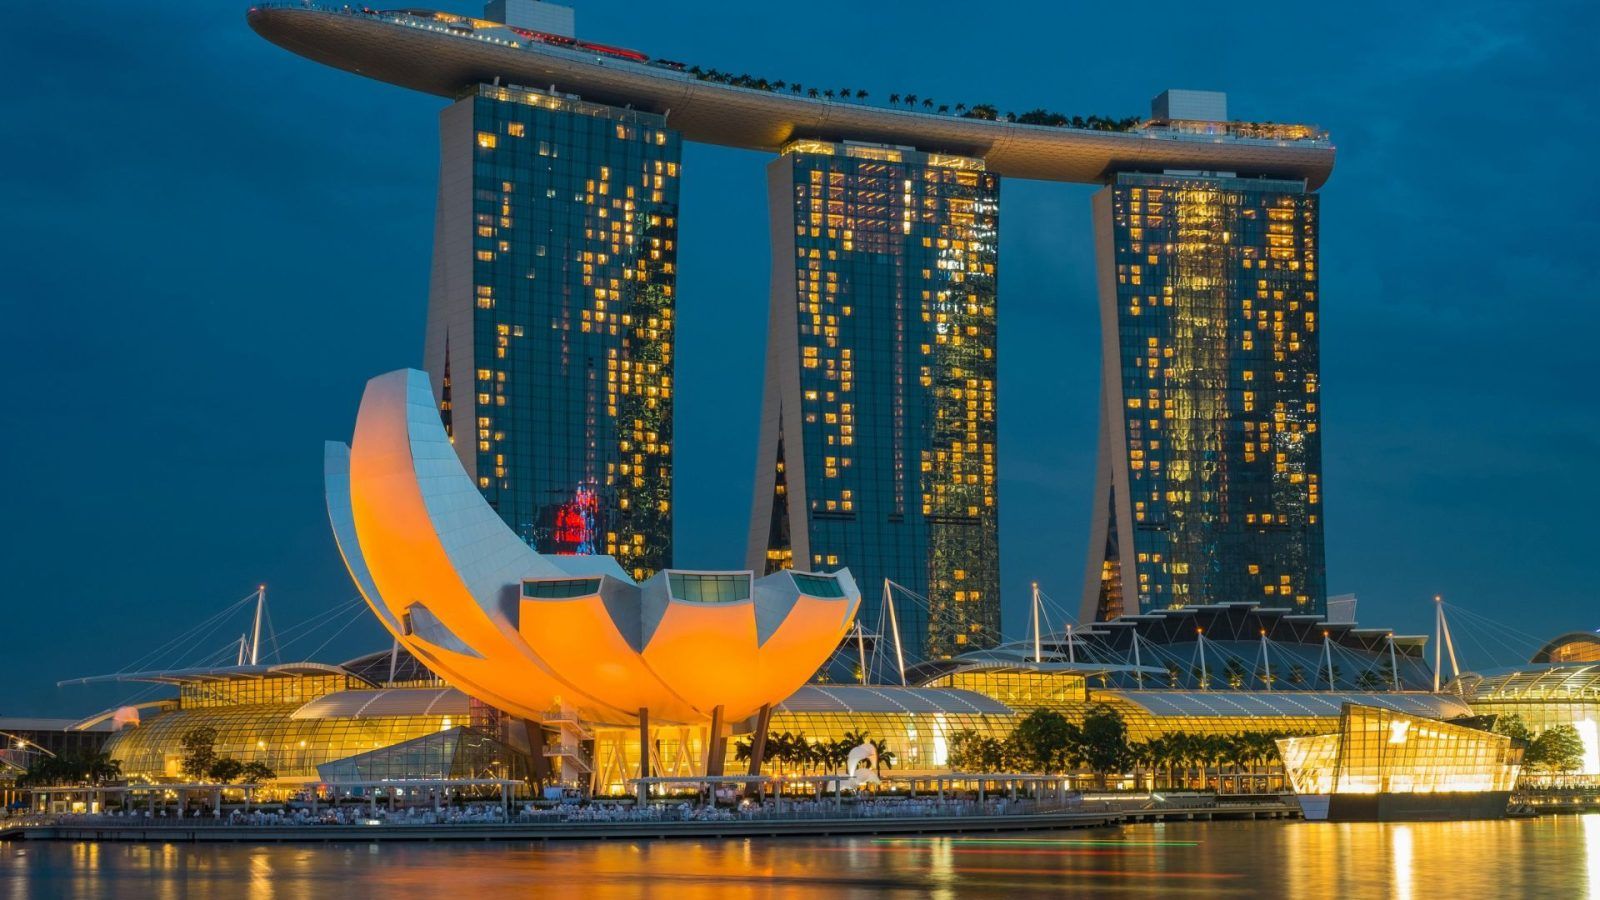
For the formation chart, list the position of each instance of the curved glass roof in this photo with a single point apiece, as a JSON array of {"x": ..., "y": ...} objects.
[
  {"x": 386, "y": 703},
  {"x": 1546, "y": 682},
  {"x": 1285, "y": 703},
  {"x": 218, "y": 673},
  {"x": 885, "y": 699}
]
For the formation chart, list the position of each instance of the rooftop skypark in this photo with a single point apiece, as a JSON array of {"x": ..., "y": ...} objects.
[{"x": 446, "y": 54}]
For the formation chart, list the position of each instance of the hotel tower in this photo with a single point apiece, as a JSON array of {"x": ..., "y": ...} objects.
[
  {"x": 877, "y": 448},
  {"x": 550, "y": 317},
  {"x": 1209, "y": 485}
]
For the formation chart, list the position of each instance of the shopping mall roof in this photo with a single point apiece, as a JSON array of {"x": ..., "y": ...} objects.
[
  {"x": 1017, "y": 657},
  {"x": 830, "y": 698},
  {"x": 1573, "y": 681},
  {"x": 1572, "y": 647},
  {"x": 1278, "y": 704},
  {"x": 212, "y": 674},
  {"x": 385, "y": 703},
  {"x": 444, "y": 54}
]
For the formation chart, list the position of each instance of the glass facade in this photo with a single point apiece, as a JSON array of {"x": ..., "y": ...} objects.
[
  {"x": 1211, "y": 454},
  {"x": 263, "y": 732},
  {"x": 552, "y": 316},
  {"x": 1382, "y": 751},
  {"x": 456, "y": 752},
  {"x": 879, "y": 428},
  {"x": 1544, "y": 697}
]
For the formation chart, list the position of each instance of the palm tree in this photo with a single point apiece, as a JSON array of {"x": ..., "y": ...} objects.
[
  {"x": 927, "y": 104},
  {"x": 886, "y": 756},
  {"x": 828, "y": 93},
  {"x": 894, "y": 99},
  {"x": 960, "y": 108},
  {"x": 796, "y": 88},
  {"x": 911, "y": 99},
  {"x": 944, "y": 109},
  {"x": 861, "y": 95},
  {"x": 812, "y": 93}
]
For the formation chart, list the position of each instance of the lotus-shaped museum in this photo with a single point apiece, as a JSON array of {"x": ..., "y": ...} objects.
[{"x": 547, "y": 637}]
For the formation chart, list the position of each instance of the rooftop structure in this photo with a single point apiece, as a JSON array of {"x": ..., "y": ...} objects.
[
  {"x": 1573, "y": 647},
  {"x": 446, "y": 54}
]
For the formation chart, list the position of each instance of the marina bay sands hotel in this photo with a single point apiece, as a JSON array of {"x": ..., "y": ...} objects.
[{"x": 553, "y": 311}]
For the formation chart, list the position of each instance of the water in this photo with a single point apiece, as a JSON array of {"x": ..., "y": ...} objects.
[{"x": 1548, "y": 857}]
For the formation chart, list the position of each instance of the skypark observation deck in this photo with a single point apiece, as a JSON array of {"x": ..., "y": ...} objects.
[{"x": 445, "y": 55}]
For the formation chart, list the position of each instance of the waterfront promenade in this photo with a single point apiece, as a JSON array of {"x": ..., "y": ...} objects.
[{"x": 601, "y": 822}]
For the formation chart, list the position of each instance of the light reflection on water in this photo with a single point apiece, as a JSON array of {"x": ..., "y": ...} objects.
[{"x": 1552, "y": 856}]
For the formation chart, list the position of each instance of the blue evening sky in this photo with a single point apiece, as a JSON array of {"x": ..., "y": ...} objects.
[{"x": 209, "y": 244}]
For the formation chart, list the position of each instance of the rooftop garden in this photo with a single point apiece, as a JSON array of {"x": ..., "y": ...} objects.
[{"x": 986, "y": 111}]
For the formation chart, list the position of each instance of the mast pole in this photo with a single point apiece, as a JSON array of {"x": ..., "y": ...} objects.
[
  {"x": 894, "y": 625},
  {"x": 1038, "y": 652},
  {"x": 1449, "y": 643},
  {"x": 1266, "y": 660},
  {"x": 1438, "y": 639},
  {"x": 861, "y": 651},
  {"x": 255, "y": 640}
]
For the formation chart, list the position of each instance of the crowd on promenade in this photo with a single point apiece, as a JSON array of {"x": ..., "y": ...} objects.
[{"x": 494, "y": 813}]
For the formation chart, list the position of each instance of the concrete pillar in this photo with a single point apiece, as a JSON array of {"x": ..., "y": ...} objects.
[
  {"x": 716, "y": 744},
  {"x": 644, "y": 753},
  {"x": 758, "y": 741}
]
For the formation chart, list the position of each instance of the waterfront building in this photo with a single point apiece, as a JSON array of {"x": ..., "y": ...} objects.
[
  {"x": 1209, "y": 483},
  {"x": 551, "y": 317},
  {"x": 1385, "y": 765},
  {"x": 557, "y": 638},
  {"x": 1542, "y": 696},
  {"x": 878, "y": 427}
]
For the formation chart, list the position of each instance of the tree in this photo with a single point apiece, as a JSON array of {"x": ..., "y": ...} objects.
[
  {"x": 225, "y": 769},
  {"x": 1234, "y": 673},
  {"x": 257, "y": 772},
  {"x": 1513, "y": 727},
  {"x": 100, "y": 768},
  {"x": 1044, "y": 739},
  {"x": 1556, "y": 749},
  {"x": 1104, "y": 741},
  {"x": 199, "y": 752},
  {"x": 974, "y": 752}
]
